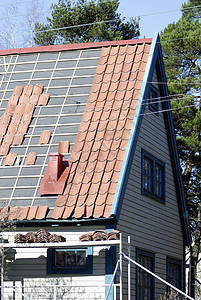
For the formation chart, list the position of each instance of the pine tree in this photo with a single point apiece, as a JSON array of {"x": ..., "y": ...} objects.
[
  {"x": 182, "y": 56},
  {"x": 85, "y": 21},
  {"x": 181, "y": 44}
]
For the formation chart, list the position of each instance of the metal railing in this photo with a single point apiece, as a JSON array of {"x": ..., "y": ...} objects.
[{"x": 57, "y": 291}]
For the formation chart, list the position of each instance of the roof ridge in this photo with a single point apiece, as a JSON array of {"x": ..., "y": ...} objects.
[{"x": 65, "y": 47}]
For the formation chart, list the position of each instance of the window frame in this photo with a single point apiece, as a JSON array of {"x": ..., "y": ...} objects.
[
  {"x": 68, "y": 269},
  {"x": 153, "y": 103},
  {"x": 178, "y": 263},
  {"x": 151, "y": 256},
  {"x": 151, "y": 191}
]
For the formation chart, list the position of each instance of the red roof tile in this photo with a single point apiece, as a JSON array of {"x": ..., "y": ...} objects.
[
  {"x": 64, "y": 147},
  {"x": 30, "y": 159},
  {"x": 10, "y": 159},
  {"x": 44, "y": 137},
  {"x": 101, "y": 142},
  {"x": 18, "y": 114},
  {"x": 23, "y": 212}
]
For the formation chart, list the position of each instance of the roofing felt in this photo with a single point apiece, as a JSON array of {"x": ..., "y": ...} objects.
[{"x": 110, "y": 84}]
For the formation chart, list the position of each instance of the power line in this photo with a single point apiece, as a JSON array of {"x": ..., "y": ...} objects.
[
  {"x": 168, "y": 11},
  {"x": 82, "y": 25},
  {"x": 95, "y": 23},
  {"x": 143, "y": 15},
  {"x": 16, "y": 2},
  {"x": 127, "y": 117}
]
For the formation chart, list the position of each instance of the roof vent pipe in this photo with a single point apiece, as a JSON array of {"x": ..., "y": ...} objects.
[{"x": 55, "y": 166}]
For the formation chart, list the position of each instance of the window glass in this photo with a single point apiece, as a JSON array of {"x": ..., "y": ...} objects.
[
  {"x": 60, "y": 258},
  {"x": 174, "y": 274},
  {"x": 147, "y": 174},
  {"x": 158, "y": 181},
  {"x": 145, "y": 282},
  {"x": 153, "y": 100},
  {"x": 81, "y": 258},
  {"x": 69, "y": 261},
  {"x": 153, "y": 177},
  {"x": 70, "y": 258}
]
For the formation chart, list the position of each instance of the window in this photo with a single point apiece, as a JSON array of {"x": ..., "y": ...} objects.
[
  {"x": 145, "y": 282},
  {"x": 153, "y": 177},
  {"x": 153, "y": 99},
  {"x": 174, "y": 273},
  {"x": 70, "y": 261}
]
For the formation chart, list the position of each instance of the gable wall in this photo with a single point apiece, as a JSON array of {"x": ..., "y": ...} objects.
[{"x": 153, "y": 226}]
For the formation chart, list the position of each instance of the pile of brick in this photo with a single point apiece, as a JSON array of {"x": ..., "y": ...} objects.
[
  {"x": 100, "y": 235},
  {"x": 41, "y": 236}
]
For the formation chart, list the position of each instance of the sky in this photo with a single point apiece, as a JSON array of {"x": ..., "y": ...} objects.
[{"x": 154, "y": 15}]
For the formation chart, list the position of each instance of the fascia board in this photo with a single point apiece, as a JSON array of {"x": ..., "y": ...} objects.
[{"x": 135, "y": 129}]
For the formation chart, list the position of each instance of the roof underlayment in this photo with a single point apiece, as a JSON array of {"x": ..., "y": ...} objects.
[{"x": 86, "y": 108}]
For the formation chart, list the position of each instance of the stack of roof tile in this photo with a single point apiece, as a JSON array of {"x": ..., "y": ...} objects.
[
  {"x": 41, "y": 236},
  {"x": 100, "y": 235},
  {"x": 19, "y": 238},
  {"x": 18, "y": 114},
  {"x": 23, "y": 212}
]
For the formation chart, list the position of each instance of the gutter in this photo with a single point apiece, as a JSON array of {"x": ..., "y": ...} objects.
[{"x": 57, "y": 223}]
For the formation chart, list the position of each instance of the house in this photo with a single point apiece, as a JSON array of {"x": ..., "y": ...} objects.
[{"x": 88, "y": 144}]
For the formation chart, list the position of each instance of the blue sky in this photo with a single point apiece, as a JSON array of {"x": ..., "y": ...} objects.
[
  {"x": 152, "y": 12},
  {"x": 155, "y": 15}
]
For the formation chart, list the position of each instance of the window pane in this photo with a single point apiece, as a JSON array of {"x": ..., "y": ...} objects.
[
  {"x": 145, "y": 280},
  {"x": 147, "y": 174},
  {"x": 153, "y": 99},
  {"x": 158, "y": 181},
  {"x": 174, "y": 274},
  {"x": 59, "y": 258},
  {"x": 81, "y": 258},
  {"x": 70, "y": 258}
]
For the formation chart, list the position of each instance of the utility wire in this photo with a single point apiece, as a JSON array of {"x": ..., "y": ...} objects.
[
  {"x": 94, "y": 23},
  {"x": 143, "y": 15},
  {"x": 75, "y": 26},
  {"x": 115, "y": 119}
]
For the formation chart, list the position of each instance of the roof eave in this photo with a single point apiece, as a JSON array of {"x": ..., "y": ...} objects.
[{"x": 67, "y": 222}]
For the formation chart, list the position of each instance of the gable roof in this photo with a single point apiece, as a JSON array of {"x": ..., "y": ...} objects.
[
  {"x": 103, "y": 135},
  {"x": 93, "y": 94}
]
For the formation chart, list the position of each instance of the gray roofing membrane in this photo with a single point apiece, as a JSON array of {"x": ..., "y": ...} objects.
[{"x": 67, "y": 76}]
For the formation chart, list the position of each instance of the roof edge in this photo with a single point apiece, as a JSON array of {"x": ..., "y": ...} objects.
[
  {"x": 66, "y": 47},
  {"x": 131, "y": 146}
]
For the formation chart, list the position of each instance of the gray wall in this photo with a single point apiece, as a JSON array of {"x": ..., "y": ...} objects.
[{"x": 153, "y": 226}]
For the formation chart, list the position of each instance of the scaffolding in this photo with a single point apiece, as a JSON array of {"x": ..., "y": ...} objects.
[{"x": 104, "y": 243}]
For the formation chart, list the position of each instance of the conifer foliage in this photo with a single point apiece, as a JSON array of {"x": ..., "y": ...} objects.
[
  {"x": 182, "y": 56},
  {"x": 85, "y": 21}
]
